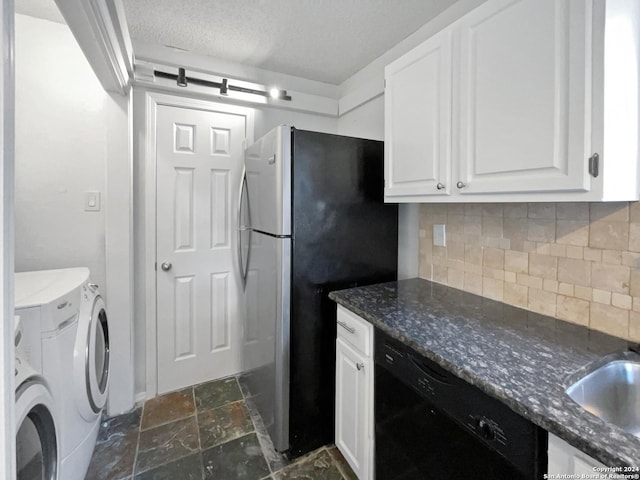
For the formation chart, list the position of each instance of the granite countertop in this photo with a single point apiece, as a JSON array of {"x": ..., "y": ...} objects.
[{"x": 524, "y": 359}]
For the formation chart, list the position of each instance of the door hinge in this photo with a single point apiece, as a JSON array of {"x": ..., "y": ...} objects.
[
  {"x": 594, "y": 165},
  {"x": 155, "y": 266}
]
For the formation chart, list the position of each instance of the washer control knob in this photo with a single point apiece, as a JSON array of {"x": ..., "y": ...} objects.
[{"x": 486, "y": 430}]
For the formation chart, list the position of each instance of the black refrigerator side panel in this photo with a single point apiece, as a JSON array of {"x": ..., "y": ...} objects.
[{"x": 343, "y": 235}]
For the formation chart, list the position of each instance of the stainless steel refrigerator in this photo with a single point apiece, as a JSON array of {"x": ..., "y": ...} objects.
[{"x": 312, "y": 220}]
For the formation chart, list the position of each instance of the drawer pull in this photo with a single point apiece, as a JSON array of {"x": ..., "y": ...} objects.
[
  {"x": 346, "y": 327},
  {"x": 62, "y": 305},
  {"x": 360, "y": 366},
  {"x": 66, "y": 323}
]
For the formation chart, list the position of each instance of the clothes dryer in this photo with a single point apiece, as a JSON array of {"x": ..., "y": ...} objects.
[
  {"x": 58, "y": 301},
  {"x": 37, "y": 438},
  {"x": 89, "y": 382}
]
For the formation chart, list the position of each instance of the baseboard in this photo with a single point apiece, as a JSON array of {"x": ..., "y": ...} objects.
[{"x": 140, "y": 398}]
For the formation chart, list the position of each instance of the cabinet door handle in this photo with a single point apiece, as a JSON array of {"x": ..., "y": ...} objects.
[
  {"x": 346, "y": 327},
  {"x": 440, "y": 186},
  {"x": 360, "y": 366},
  {"x": 594, "y": 165},
  {"x": 461, "y": 184}
]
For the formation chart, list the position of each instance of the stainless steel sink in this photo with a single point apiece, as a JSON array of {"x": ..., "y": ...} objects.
[{"x": 612, "y": 392}]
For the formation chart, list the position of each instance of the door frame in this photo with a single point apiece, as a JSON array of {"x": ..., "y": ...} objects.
[
  {"x": 153, "y": 100},
  {"x": 7, "y": 250}
]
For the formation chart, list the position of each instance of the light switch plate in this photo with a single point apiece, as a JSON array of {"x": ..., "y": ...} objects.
[
  {"x": 91, "y": 201},
  {"x": 439, "y": 236}
]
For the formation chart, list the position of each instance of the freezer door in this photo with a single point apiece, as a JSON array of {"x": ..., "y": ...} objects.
[
  {"x": 266, "y": 334},
  {"x": 268, "y": 167}
]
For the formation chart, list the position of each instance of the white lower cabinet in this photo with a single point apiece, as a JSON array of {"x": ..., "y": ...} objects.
[
  {"x": 566, "y": 459},
  {"x": 354, "y": 393}
]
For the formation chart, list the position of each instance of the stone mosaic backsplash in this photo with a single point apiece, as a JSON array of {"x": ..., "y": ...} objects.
[{"x": 579, "y": 262}]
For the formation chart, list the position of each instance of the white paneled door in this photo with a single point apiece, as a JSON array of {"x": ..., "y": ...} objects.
[{"x": 199, "y": 166}]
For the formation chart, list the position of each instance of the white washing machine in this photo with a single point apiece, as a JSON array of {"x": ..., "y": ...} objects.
[
  {"x": 37, "y": 439},
  {"x": 89, "y": 382},
  {"x": 74, "y": 343}
]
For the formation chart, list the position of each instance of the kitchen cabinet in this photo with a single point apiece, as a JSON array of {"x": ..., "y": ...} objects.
[
  {"x": 566, "y": 459},
  {"x": 354, "y": 392},
  {"x": 418, "y": 140},
  {"x": 519, "y": 100}
]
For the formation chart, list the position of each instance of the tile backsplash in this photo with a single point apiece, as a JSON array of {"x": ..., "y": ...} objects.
[{"x": 579, "y": 262}]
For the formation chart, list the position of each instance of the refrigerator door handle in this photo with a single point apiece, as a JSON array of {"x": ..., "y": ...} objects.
[
  {"x": 244, "y": 268},
  {"x": 242, "y": 228}
]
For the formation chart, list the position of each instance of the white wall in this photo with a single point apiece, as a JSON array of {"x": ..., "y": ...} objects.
[
  {"x": 60, "y": 151},
  {"x": 269, "y": 118},
  {"x": 366, "y": 121}
]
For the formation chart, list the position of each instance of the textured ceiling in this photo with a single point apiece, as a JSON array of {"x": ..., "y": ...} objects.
[
  {"x": 45, "y": 9},
  {"x": 324, "y": 40}
]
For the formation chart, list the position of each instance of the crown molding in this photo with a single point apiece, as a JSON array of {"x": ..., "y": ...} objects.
[{"x": 100, "y": 29}]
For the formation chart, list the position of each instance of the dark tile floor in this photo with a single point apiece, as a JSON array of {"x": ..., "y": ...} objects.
[{"x": 209, "y": 431}]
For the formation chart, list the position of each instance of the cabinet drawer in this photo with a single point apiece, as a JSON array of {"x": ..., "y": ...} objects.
[{"x": 354, "y": 330}]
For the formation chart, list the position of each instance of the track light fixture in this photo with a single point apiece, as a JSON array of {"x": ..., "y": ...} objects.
[
  {"x": 182, "y": 80},
  {"x": 182, "y": 77},
  {"x": 275, "y": 93}
]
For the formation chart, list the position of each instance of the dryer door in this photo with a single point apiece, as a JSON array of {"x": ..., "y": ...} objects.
[
  {"x": 92, "y": 359},
  {"x": 36, "y": 436}
]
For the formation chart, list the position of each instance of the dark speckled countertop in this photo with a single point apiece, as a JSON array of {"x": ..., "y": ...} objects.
[{"x": 524, "y": 359}]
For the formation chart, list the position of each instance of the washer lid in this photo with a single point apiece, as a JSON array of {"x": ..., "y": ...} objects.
[{"x": 33, "y": 289}]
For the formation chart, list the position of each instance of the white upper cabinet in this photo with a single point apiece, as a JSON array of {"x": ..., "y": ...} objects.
[
  {"x": 542, "y": 106},
  {"x": 418, "y": 140},
  {"x": 522, "y": 97}
]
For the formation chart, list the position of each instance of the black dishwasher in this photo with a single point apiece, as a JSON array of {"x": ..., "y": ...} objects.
[{"x": 430, "y": 424}]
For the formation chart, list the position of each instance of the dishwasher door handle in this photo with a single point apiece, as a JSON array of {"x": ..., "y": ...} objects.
[{"x": 428, "y": 371}]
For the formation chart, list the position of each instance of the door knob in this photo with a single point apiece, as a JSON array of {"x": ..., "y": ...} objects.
[
  {"x": 166, "y": 266},
  {"x": 440, "y": 186},
  {"x": 360, "y": 366},
  {"x": 461, "y": 184}
]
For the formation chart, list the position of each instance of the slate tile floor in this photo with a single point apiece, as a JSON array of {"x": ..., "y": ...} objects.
[{"x": 209, "y": 431}]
